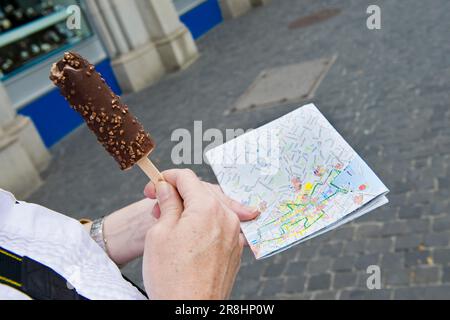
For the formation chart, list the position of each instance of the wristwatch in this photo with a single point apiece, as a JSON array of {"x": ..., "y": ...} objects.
[{"x": 97, "y": 234}]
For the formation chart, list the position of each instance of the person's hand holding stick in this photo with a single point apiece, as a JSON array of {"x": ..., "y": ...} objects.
[{"x": 194, "y": 250}]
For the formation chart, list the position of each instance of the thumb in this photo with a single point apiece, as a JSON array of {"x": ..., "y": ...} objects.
[{"x": 170, "y": 203}]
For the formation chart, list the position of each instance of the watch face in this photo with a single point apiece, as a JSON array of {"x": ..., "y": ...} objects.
[{"x": 96, "y": 233}]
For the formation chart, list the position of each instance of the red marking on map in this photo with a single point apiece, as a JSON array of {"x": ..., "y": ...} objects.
[
  {"x": 262, "y": 206},
  {"x": 319, "y": 171},
  {"x": 297, "y": 184}
]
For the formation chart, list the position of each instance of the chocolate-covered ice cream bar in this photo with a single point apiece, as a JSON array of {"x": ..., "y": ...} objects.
[{"x": 120, "y": 133}]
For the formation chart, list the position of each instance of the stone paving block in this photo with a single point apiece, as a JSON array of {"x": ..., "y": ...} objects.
[
  {"x": 442, "y": 223},
  {"x": 319, "y": 282},
  {"x": 426, "y": 275},
  {"x": 392, "y": 260},
  {"x": 271, "y": 287},
  {"x": 382, "y": 215},
  {"x": 394, "y": 277},
  {"x": 444, "y": 183},
  {"x": 441, "y": 239},
  {"x": 305, "y": 253},
  {"x": 319, "y": 265},
  {"x": 423, "y": 293},
  {"x": 297, "y": 296},
  {"x": 331, "y": 249},
  {"x": 418, "y": 258},
  {"x": 274, "y": 270},
  {"x": 344, "y": 263},
  {"x": 247, "y": 288},
  {"x": 366, "y": 260},
  {"x": 344, "y": 280},
  {"x": 442, "y": 256},
  {"x": 294, "y": 284},
  {"x": 419, "y": 225},
  {"x": 365, "y": 294},
  {"x": 283, "y": 257},
  {"x": 344, "y": 233},
  {"x": 408, "y": 242},
  {"x": 393, "y": 228},
  {"x": 396, "y": 200},
  {"x": 411, "y": 212},
  {"x": 253, "y": 270},
  {"x": 379, "y": 245},
  {"x": 367, "y": 230},
  {"x": 325, "y": 295},
  {"x": 440, "y": 208},
  {"x": 353, "y": 247},
  {"x": 446, "y": 275},
  {"x": 420, "y": 196},
  {"x": 295, "y": 268}
]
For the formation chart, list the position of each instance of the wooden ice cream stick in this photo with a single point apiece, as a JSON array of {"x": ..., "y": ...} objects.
[{"x": 150, "y": 170}]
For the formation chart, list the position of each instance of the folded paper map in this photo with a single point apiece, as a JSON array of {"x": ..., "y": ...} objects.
[{"x": 301, "y": 174}]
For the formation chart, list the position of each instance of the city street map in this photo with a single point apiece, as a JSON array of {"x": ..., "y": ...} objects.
[{"x": 302, "y": 175}]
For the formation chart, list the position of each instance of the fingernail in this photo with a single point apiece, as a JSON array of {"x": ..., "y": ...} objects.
[
  {"x": 254, "y": 210},
  {"x": 145, "y": 191},
  {"x": 163, "y": 190}
]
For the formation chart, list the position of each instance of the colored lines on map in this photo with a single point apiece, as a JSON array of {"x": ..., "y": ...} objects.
[{"x": 299, "y": 215}]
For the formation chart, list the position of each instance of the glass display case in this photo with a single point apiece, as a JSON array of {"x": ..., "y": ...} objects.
[
  {"x": 33, "y": 30},
  {"x": 183, "y": 6}
]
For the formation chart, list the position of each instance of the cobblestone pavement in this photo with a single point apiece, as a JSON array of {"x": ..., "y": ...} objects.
[{"x": 388, "y": 94}]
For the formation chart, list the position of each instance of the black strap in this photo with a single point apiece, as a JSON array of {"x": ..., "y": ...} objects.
[
  {"x": 136, "y": 286},
  {"x": 10, "y": 269},
  {"x": 34, "y": 279}
]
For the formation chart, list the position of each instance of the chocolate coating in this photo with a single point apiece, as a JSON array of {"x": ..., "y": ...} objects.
[{"x": 120, "y": 133}]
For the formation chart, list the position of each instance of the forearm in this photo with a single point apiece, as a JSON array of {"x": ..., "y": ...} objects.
[{"x": 125, "y": 230}]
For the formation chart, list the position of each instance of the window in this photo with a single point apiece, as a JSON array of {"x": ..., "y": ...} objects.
[
  {"x": 32, "y": 30},
  {"x": 184, "y": 6}
]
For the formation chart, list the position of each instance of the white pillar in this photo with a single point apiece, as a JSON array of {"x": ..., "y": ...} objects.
[
  {"x": 23, "y": 128},
  {"x": 170, "y": 36},
  {"x": 7, "y": 113},
  {"x": 257, "y": 3},
  {"x": 135, "y": 60},
  {"x": 234, "y": 8},
  {"x": 18, "y": 174},
  {"x": 22, "y": 153}
]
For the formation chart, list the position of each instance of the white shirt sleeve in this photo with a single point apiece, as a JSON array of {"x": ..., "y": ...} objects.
[{"x": 62, "y": 244}]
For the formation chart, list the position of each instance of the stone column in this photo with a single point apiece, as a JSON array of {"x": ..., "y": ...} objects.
[
  {"x": 135, "y": 60},
  {"x": 23, "y": 128},
  {"x": 257, "y": 3},
  {"x": 22, "y": 153},
  {"x": 235, "y": 8},
  {"x": 170, "y": 36},
  {"x": 7, "y": 113}
]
